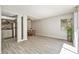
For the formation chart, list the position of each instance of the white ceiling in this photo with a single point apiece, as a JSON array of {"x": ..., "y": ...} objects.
[{"x": 39, "y": 11}]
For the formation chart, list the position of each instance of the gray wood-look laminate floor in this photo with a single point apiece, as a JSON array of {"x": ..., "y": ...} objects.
[{"x": 34, "y": 45}]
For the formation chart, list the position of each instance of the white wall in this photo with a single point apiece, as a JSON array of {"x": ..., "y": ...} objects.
[
  {"x": 19, "y": 28},
  {"x": 0, "y": 29},
  {"x": 28, "y": 24},
  {"x": 25, "y": 27},
  {"x": 51, "y": 27},
  {"x": 76, "y": 28}
]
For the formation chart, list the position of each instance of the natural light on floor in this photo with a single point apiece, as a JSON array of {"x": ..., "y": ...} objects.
[{"x": 68, "y": 49}]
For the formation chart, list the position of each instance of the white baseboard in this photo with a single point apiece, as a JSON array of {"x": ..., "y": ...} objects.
[
  {"x": 22, "y": 40},
  {"x": 52, "y": 37}
]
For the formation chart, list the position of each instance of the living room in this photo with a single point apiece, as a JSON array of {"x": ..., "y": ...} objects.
[{"x": 41, "y": 29}]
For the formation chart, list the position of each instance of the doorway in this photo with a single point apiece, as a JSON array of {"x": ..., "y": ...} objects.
[{"x": 8, "y": 29}]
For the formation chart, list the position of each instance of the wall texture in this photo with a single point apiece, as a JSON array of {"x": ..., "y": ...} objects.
[{"x": 51, "y": 27}]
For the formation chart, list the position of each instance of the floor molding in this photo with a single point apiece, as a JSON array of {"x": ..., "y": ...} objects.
[{"x": 51, "y": 37}]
